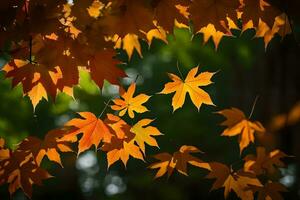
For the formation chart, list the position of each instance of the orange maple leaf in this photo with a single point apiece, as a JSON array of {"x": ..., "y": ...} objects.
[
  {"x": 121, "y": 146},
  {"x": 94, "y": 131},
  {"x": 121, "y": 149},
  {"x": 238, "y": 124},
  {"x": 178, "y": 161},
  {"x": 130, "y": 104},
  {"x": 119, "y": 127},
  {"x": 237, "y": 181},
  {"x": 190, "y": 85},
  {"x": 49, "y": 147}
]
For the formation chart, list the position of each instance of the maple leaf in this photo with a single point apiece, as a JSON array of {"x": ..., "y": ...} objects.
[
  {"x": 190, "y": 85},
  {"x": 178, "y": 161},
  {"x": 130, "y": 104},
  {"x": 280, "y": 26},
  {"x": 21, "y": 171},
  {"x": 144, "y": 134},
  {"x": 36, "y": 80},
  {"x": 121, "y": 146},
  {"x": 270, "y": 191},
  {"x": 173, "y": 8},
  {"x": 129, "y": 43},
  {"x": 120, "y": 127},
  {"x": 121, "y": 149},
  {"x": 127, "y": 16},
  {"x": 158, "y": 33},
  {"x": 238, "y": 124},
  {"x": 255, "y": 10},
  {"x": 48, "y": 70},
  {"x": 95, "y": 9},
  {"x": 210, "y": 32},
  {"x": 204, "y": 12},
  {"x": 264, "y": 162},
  {"x": 94, "y": 131},
  {"x": 237, "y": 181},
  {"x": 48, "y": 147},
  {"x": 104, "y": 67}
]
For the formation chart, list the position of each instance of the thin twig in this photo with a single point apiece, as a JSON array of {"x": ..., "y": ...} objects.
[
  {"x": 253, "y": 106},
  {"x": 136, "y": 78},
  {"x": 106, "y": 105},
  {"x": 179, "y": 70}
]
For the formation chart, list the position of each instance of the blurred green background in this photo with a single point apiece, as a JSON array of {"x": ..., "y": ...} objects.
[{"x": 245, "y": 70}]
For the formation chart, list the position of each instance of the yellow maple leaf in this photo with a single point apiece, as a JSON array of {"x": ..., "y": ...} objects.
[
  {"x": 144, "y": 133},
  {"x": 129, "y": 104},
  {"x": 190, "y": 85},
  {"x": 238, "y": 124}
]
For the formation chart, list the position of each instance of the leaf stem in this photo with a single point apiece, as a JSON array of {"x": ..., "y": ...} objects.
[
  {"x": 106, "y": 105},
  {"x": 253, "y": 106},
  {"x": 177, "y": 65},
  {"x": 136, "y": 78}
]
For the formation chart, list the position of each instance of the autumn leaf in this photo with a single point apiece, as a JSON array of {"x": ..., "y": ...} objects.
[
  {"x": 93, "y": 130},
  {"x": 103, "y": 66},
  {"x": 238, "y": 124},
  {"x": 270, "y": 191},
  {"x": 205, "y": 12},
  {"x": 158, "y": 33},
  {"x": 264, "y": 162},
  {"x": 144, "y": 134},
  {"x": 178, "y": 161},
  {"x": 21, "y": 171},
  {"x": 50, "y": 146},
  {"x": 48, "y": 70},
  {"x": 232, "y": 181},
  {"x": 121, "y": 149},
  {"x": 254, "y": 10},
  {"x": 129, "y": 43},
  {"x": 190, "y": 85},
  {"x": 127, "y": 16},
  {"x": 37, "y": 82},
  {"x": 173, "y": 7},
  {"x": 119, "y": 127},
  {"x": 130, "y": 104},
  {"x": 281, "y": 26}
]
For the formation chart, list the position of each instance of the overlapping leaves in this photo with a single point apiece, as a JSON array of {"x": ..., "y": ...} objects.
[{"x": 86, "y": 32}]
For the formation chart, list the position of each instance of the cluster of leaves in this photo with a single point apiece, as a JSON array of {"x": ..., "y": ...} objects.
[
  {"x": 85, "y": 33},
  {"x": 21, "y": 168}
]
